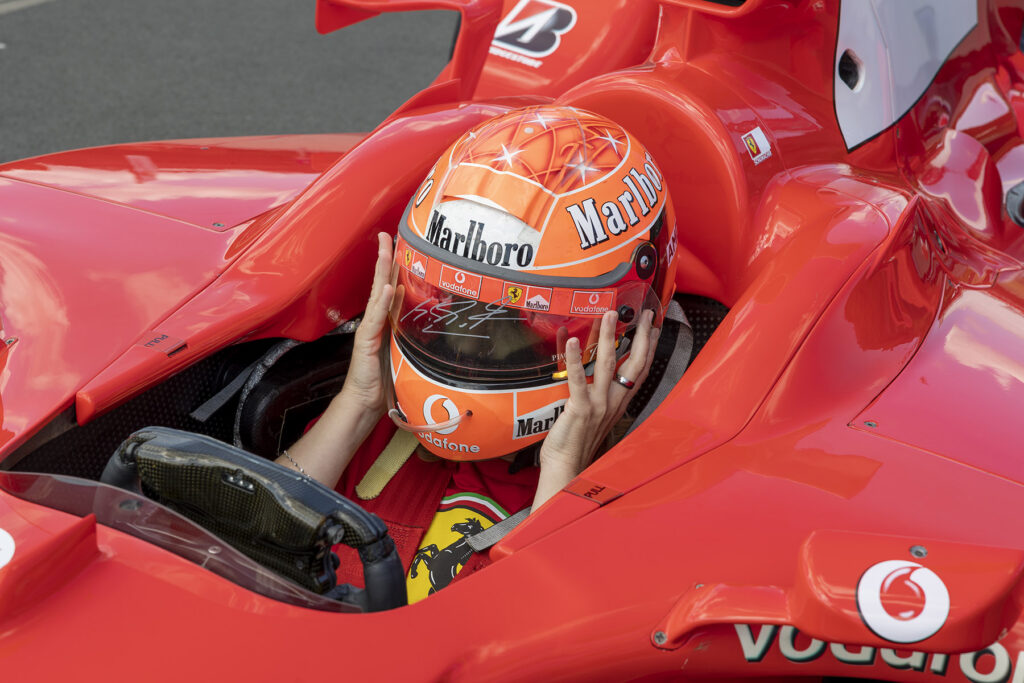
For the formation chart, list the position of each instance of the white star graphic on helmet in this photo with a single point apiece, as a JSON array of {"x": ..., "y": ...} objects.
[
  {"x": 507, "y": 156},
  {"x": 608, "y": 137},
  {"x": 541, "y": 120},
  {"x": 581, "y": 167}
]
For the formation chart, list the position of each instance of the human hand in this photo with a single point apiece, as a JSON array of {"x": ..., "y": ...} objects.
[
  {"x": 592, "y": 408},
  {"x": 364, "y": 385},
  {"x": 326, "y": 449}
]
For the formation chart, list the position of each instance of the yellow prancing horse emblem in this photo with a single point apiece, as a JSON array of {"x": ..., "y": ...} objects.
[
  {"x": 408, "y": 257},
  {"x": 513, "y": 294},
  {"x": 752, "y": 144}
]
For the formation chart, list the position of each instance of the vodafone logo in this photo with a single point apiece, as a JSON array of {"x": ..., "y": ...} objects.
[
  {"x": 447, "y": 404},
  {"x": 460, "y": 282},
  {"x": 592, "y": 303},
  {"x": 902, "y": 601}
]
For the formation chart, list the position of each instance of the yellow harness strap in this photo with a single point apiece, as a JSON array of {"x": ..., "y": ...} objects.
[{"x": 387, "y": 464}]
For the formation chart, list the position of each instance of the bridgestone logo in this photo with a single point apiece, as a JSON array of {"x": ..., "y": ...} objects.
[{"x": 535, "y": 27}]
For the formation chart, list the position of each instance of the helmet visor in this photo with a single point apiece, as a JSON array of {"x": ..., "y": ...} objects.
[{"x": 465, "y": 326}]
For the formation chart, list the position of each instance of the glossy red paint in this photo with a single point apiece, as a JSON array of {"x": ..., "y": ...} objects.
[
  {"x": 858, "y": 404},
  {"x": 214, "y": 183}
]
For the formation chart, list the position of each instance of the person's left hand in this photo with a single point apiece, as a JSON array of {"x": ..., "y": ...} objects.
[
  {"x": 363, "y": 384},
  {"x": 592, "y": 408}
]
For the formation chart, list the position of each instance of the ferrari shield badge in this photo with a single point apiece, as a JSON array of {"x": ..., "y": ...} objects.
[{"x": 757, "y": 145}]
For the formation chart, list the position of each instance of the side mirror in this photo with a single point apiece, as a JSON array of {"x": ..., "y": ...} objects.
[{"x": 479, "y": 19}]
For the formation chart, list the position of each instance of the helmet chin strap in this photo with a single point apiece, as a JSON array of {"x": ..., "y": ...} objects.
[{"x": 399, "y": 419}]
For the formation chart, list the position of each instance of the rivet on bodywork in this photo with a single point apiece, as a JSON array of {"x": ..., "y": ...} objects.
[
  {"x": 871, "y": 423},
  {"x": 660, "y": 638},
  {"x": 918, "y": 551}
]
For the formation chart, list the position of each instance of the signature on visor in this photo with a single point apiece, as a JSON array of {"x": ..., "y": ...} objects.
[{"x": 449, "y": 318}]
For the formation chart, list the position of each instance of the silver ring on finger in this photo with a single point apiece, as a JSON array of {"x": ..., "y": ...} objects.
[{"x": 628, "y": 383}]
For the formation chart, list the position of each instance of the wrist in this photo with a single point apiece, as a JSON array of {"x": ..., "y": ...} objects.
[
  {"x": 555, "y": 474},
  {"x": 352, "y": 416},
  {"x": 559, "y": 464},
  {"x": 358, "y": 401}
]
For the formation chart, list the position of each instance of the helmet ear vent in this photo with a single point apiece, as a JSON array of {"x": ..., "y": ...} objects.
[{"x": 646, "y": 260}]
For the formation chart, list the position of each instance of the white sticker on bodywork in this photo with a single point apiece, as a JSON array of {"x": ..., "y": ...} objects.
[
  {"x": 6, "y": 548},
  {"x": 902, "y": 601},
  {"x": 757, "y": 145},
  {"x": 534, "y": 27}
]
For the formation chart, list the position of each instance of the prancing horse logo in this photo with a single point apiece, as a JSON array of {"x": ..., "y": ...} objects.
[{"x": 443, "y": 565}]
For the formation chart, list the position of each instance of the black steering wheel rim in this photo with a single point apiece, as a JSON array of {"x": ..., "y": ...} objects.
[{"x": 280, "y": 518}]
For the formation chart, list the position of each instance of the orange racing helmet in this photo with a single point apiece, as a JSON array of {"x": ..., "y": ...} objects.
[{"x": 529, "y": 228}]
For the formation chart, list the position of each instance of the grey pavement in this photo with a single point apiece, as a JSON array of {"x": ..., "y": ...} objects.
[{"x": 79, "y": 73}]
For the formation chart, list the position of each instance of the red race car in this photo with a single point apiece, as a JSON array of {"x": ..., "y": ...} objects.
[{"x": 827, "y": 492}]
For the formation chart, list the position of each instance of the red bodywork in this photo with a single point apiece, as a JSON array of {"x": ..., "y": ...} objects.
[{"x": 861, "y": 397}]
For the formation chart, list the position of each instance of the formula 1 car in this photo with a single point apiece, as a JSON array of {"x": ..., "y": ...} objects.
[{"x": 827, "y": 493}]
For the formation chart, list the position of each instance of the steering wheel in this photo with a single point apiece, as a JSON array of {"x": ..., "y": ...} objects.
[{"x": 282, "y": 519}]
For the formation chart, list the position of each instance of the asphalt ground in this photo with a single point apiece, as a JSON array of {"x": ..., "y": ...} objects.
[{"x": 80, "y": 73}]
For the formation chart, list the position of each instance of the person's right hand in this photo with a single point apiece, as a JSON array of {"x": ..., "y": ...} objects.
[
  {"x": 364, "y": 383},
  {"x": 593, "y": 407}
]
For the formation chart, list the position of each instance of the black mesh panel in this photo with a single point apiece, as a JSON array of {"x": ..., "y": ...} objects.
[{"x": 84, "y": 451}]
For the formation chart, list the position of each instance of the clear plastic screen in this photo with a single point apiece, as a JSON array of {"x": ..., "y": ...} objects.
[
  {"x": 138, "y": 516},
  {"x": 492, "y": 340}
]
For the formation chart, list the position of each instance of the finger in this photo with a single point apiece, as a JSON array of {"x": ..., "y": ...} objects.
[
  {"x": 369, "y": 332},
  {"x": 633, "y": 365},
  {"x": 655, "y": 335},
  {"x": 574, "y": 367},
  {"x": 382, "y": 269},
  {"x": 605, "y": 367},
  {"x": 646, "y": 369},
  {"x": 577, "y": 408},
  {"x": 561, "y": 336},
  {"x": 377, "y": 311},
  {"x": 638, "y": 354},
  {"x": 384, "y": 252}
]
